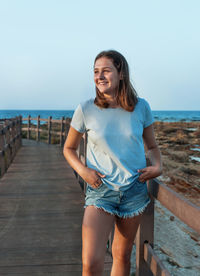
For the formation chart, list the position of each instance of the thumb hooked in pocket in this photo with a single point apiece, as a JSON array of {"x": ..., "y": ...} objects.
[
  {"x": 101, "y": 175},
  {"x": 141, "y": 170}
]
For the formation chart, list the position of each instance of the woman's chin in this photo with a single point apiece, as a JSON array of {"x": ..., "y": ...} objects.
[{"x": 105, "y": 92}]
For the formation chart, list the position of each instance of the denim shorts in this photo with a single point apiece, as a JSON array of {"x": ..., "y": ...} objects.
[{"x": 124, "y": 204}]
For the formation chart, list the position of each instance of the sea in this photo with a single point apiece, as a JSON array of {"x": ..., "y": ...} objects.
[{"x": 159, "y": 115}]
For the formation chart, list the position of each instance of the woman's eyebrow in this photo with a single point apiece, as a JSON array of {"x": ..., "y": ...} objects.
[{"x": 107, "y": 67}]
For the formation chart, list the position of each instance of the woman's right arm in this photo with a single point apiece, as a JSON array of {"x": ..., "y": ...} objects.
[{"x": 72, "y": 142}]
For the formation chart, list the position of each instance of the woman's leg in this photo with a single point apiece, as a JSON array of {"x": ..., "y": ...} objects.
[
  {"x": 96, "y": 227},
  {"x": 124, "y": 236}
]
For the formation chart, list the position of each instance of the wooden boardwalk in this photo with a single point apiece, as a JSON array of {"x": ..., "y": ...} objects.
[{"x": 41, "y": 209}]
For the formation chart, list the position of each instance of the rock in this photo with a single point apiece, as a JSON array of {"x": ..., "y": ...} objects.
[
  {"x": 177, "y": 163},
  {"x": 176, "y": 244},
  {"x": 192, "y": 253},
  {"x": 172, "y": 262},
  {"x": 180, "y": 156},
  {"x": 166, "y": 251},
  {"x": 189, "y": 170},
  {"x": 173, "y": 243}
]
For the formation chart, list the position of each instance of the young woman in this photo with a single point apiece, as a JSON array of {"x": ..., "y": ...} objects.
[{"x": 117, "y": 122}]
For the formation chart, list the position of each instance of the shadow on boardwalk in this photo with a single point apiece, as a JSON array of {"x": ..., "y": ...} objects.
[{"x": 41, "y": 209}]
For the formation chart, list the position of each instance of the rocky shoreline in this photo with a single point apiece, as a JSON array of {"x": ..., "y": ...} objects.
[
  {"x": 177, "y": 245},
  {"x": 179, "y": 143}
]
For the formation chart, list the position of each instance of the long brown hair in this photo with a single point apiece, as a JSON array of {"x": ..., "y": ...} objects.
[{"x": 126, "y": 96}]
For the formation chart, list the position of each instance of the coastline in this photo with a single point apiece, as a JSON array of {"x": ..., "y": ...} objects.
[
  {"x": 159, "y": 115},
  {"x": 179, "y": 143},
  {"x": 176, "y": 244}
]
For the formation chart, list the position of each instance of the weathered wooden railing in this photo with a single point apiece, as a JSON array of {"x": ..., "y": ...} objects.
[
  {"x": 10, "y": 141},
  {"x": 147, "y": 263},
  {"x": 60, "y": 130},
  {"x": 47, "y": 129}
]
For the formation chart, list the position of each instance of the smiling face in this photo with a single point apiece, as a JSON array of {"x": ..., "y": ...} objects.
[{"x": 106, "y": 76}]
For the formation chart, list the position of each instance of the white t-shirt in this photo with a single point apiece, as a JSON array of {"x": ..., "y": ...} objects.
[{"x": 115, "y": 144}]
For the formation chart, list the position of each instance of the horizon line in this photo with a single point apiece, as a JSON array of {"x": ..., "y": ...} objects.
[{"x": 75, "y": 108}]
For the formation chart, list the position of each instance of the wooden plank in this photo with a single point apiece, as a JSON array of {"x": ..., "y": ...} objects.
[
  {"x": 41, "y": 209},
  {"x": 29, "y": 126},
  {"x": 49, "y": 129},
  {"x": 156, "y": 266},
  {"x": 38, "y": 129},
  {"x": 56, "y": 270},
  {"x": 41, "y": 119},
  {"x": 177, "y": 204},
  {"x": 62, "y": 132},
  {"x": 44, "y": 120},
  {"x": 10, "y": 142},
  {"x": 145, "y": 233},
  {"x": 2, "y": 155}
]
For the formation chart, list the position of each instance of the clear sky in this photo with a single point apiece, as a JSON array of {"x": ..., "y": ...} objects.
[{"x": 47, "y": 48}]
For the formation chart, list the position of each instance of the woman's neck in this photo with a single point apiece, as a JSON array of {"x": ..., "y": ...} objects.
[
  {"x": 112, "y": 103},
  {"x": 111, "y": 100}
]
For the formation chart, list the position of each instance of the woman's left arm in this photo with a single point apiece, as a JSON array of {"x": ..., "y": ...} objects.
[{"x": 155, "y": 169}]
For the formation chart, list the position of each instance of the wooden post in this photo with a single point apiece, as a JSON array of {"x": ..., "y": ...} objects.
[
  {"x": 66, "y": 128},
  {"x": 19, "y": 131},
  {"x": 62, "y": 132},
  {"x": 15, "y": 134},
  {"x": 8, "y": 147},
  {"x": 2, "y": 154},
  {"x": 28, "y": 127},
  {"x": 38, "y": 128},
  {"x": 67, "y": 125},
  {"x": 145, "y": 233},
  {"x": 2, "y": 163},
  {"x": 13, "y": 142},
  {"x": 49, "y": 129},
  {"x": 9, "y": 143}
]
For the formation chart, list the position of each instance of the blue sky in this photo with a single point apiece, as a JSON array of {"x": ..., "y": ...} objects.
[{"x": 48, "y": 48}]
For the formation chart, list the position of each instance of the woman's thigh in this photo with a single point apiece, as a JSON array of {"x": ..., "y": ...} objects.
[
  {"x": 124, "y": 236},
  {"x": 96, "y": 227}
]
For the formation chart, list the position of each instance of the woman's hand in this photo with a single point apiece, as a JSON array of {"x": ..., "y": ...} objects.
[
  {"x": 149, "y": 172},
  {"x": 92, "y": 177}
]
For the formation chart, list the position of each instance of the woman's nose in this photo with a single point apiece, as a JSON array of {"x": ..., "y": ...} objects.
[{"x": 101, "y": 75}]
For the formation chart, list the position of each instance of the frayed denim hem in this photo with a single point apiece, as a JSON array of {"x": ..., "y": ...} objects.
[
  {"x": 120, "y": 214},
  {"x": 135, "y": 213}
]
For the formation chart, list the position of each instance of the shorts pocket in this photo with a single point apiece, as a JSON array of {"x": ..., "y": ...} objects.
[
  {"x": 95, "y": 189},
  {"x": 141, "y": 185},
  {"x": 139, "y": 182}
]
